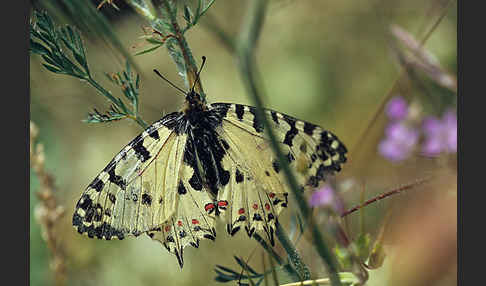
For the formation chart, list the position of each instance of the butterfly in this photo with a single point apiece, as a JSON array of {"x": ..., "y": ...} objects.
[{"x": 204, "y": 163}]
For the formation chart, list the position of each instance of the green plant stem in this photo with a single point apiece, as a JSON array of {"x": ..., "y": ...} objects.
[
  {"x": 294, "y": 256},
  {"x": 245, "y": 48},
  {"x": 189, "y": 71},
  {"x": 191, "y": 68}
]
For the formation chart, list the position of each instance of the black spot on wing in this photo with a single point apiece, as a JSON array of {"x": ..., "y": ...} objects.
[
  {"x": 290, "y": 157},
  {"x": 112, "y": 197},
  {"x": 289, "y": 136},
  {"x": 224, "y": 177},
  {"x": 189, "y": 158},
  {"x": 238, "y": 176},
  {"x": 84, "y": 202},
  {"x": 239, "y": 111},
  {"x": 195, "y": 182},
  {"x": 98, "y": 212},
  {"x": 274, "y": 116},
  {"x": 276, "y": 166},
  {"x": 181, "y": 189},
  {"x": 303, "y": 147},
  {"x": 123, "y": 154},
  {"x": 154, "y": 134},
  {"x": 257, "y": 123},
  {"x": 146, "y": 199},
  {"x": 313, "y": 181},
  {"x": 257, "y": 217},
  {"x": 182, "y": 234},
  {"x": 225, "y": 144},
  {"x": 140, "y": 151},
  {"x": 88, "y": 217},
  {"x": 117, "y": 180},
  {"x": 97, "y": 184},
  {"x": 309, "y": 128}
]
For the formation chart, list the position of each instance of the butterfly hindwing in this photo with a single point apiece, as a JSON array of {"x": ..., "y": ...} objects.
[{"x": 192, "y": 220}]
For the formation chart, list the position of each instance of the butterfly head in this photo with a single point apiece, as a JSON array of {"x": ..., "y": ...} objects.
[{"x": 194, "y": 102}]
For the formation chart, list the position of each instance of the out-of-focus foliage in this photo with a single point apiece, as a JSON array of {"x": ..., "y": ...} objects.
[{"x": 328, "y": 62}]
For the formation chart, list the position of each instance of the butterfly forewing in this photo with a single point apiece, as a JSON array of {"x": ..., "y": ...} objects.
[
  {"x": 124, "y": 198},
  {"x": 258, "y": 190},
  {"x": 311, "y": 151}
]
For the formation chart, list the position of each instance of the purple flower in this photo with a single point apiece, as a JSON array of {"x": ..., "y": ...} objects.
[
  {"x": 399, "y": 141},
  {"x": 397, "y": 108},
  {"x": 440, "y": 134},
  {"x": 324, "y": 196}
]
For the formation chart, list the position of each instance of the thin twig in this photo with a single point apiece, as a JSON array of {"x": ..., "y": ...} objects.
[
  {"x": 191, "y": 69},
  {"x": 384, "y": 195}
]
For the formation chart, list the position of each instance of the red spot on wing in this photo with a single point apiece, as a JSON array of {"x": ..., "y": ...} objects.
[
  {"x": 255, "y": 206},
  {"x": 241, "y": 211},
  {"x": 167, "y": 228},
  {"x": 195, "y": 221},
  {"x": 271, "y": 195},
  {"x": 209, "y": 206},
  {"x": 179, "y": 223},
  {"x": 222, "y": 203},
  {"x": 267, "y": 206}
]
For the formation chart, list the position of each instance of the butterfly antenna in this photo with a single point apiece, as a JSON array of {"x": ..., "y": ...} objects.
[
  {"x": 173, "y": 85},
  {"x": 197, "y": 75}
]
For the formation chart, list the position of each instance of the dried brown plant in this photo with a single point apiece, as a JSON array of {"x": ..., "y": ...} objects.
[{"x": 47, "y": 212}]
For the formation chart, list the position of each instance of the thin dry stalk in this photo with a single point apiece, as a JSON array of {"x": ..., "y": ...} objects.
[
  {"x": 48, "y": 213},
  {"x": 384, "y": 195}
]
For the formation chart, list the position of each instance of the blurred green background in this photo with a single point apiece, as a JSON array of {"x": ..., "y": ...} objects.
[{"x": 327, "y": 62}]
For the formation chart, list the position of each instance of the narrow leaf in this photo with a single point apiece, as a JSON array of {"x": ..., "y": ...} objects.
[
  {"x": 148, "y": 50},
  {"x": 52, "y": 69}
]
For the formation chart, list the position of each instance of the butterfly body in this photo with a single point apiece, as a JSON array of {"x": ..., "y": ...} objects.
[{"x": 204, "y": 163}]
